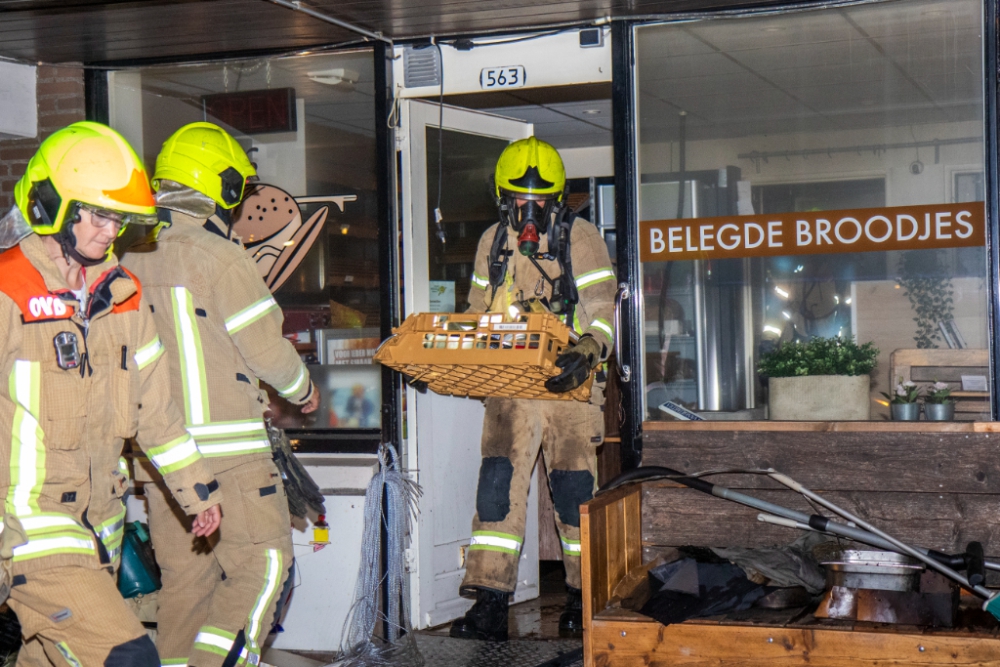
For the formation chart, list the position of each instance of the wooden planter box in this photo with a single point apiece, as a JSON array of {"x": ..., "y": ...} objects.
[{"x": 618, "y": 534}]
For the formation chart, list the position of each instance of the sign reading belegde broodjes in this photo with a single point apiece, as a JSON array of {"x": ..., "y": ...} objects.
[{"x": 815, "y": 232}]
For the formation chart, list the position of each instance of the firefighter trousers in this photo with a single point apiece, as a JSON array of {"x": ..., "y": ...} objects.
[
  {"x": 220, "y": 596},
  {"x": 74, "y": 616},
  {"x": 568, "y": 433}
]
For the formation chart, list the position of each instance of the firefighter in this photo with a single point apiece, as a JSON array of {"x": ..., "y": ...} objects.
[
  {"x": 222, "y": 329},
  {"x": 83, "y": 370},
  {"x": 538, "y": 254}
]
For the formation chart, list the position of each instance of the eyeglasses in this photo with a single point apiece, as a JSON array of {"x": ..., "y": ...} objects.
[{"x": 101, "y": 218}]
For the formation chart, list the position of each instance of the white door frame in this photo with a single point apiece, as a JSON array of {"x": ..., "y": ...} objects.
[{"x": 439, "y": 423}]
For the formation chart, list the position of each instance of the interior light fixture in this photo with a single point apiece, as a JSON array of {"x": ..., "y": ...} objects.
[
  {"x": 836, "y": 299},
  {"x": 288, "y": 243},
  {"x": 848, "y": 301},
  {"x": 787, "y": 314},
  {"x": 338, "y": 77},
  {"x": 770, "y": 329},
  {"x": 780, "y": 292},
  {"x": 591, "y": 112},
  {"x": 344, "y": 228}
]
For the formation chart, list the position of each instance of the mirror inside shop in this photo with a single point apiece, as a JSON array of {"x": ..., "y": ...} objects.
[
  {"x": 811, "y": 184},
  {"x": 307, "y": 123}
]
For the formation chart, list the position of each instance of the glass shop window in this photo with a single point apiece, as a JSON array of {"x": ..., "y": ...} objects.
[
  {"x": 308, "y": 123},
  {"x": 813, "y": 174}
]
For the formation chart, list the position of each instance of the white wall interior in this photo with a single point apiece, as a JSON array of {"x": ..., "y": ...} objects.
[
  {"x": 125, "y": 106},
  {"x": 281, "y": 157},
  {"x": 18, "y": 106}
]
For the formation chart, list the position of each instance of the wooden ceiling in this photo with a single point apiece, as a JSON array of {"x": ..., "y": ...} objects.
[{"x": 118, "y": 31}]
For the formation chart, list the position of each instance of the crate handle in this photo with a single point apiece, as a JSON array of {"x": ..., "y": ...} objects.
[{"x": 624, "y": 292}]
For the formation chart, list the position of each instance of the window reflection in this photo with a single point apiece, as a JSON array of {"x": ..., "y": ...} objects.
[
  {"x": 862, "y": 108},
  {"x": 310, "y": 222}
]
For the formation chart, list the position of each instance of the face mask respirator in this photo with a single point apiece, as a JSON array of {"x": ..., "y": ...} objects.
[{"x": 529, "y": 218}]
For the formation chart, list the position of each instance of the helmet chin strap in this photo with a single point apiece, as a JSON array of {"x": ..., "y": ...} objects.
[{"x": 67, "y": 241}]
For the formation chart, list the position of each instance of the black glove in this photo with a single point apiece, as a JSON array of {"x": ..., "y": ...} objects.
[
  {"x": 576, "y": 364},
  {"x": 419, "y": 385},
  {"x": 300, "y": 489}
]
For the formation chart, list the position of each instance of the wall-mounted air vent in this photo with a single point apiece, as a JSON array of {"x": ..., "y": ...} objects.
[{"x": 421, "y": 67}]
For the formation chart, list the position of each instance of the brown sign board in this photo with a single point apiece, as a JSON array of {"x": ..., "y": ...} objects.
[
  {"x": 254, "y": 111},
  {"x": 815, "y": 232}
]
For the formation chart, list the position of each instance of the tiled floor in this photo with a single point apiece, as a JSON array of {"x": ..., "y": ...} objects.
[{"x": 534, "y": 638}]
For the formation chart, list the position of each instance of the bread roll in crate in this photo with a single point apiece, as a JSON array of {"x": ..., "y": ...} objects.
[{"x": 482, "y": 355}]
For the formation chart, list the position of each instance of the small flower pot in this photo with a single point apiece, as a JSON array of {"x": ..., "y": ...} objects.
[
  {"x": 940, "y": 412},
  {"x": 905, "y": 412}
]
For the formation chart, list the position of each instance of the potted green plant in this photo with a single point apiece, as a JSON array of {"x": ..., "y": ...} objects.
[
  {"x": 823, "y": 379},
  {"x": 903, "y": 401},
  {"x": 939, "y": 406}
]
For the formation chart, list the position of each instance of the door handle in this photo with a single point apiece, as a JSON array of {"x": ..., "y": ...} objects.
[{"x": 624, "y": 292}]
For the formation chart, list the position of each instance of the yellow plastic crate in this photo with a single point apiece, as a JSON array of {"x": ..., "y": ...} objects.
[{"x": 482, "y": 355}]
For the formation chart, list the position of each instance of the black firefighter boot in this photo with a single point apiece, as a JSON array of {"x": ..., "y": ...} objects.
[
  {"x": 571, "y": 620},
  {"x": 487, "y": 620}
]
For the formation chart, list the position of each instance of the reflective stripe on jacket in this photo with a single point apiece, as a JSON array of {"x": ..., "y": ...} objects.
[
  {"x": 222, "y": 329},
  {"x": 65, "y": 411},
  {"x": 593, "y": 274}
]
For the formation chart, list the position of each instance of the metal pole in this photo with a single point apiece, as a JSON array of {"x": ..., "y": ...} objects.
[
  {"x": 897, "y": 545},
  {"x": 626, "y": 225},
  {"x": 389, "y": 282},
  {"x": 308, "y": 11}
]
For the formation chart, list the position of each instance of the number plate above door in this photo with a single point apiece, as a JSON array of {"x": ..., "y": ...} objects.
[{"x": 492, "y": 78}]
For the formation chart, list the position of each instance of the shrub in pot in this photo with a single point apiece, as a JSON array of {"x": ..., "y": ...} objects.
[{"x": 823, "y": 379}]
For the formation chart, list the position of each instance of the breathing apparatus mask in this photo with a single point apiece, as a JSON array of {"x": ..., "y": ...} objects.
[{"x": 529, "y": 216}]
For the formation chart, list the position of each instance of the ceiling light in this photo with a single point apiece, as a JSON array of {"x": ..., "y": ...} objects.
[
  {"x": 591, "y": 112},
  {"x": 848, "y": 301},
  {"x": 339, "y": 76},
  {"x": 774, "y": 330},
  {"x": 288, "y": 243},
  {"x": 780, "y": 292},
  {"x": 787, "y": 314}
]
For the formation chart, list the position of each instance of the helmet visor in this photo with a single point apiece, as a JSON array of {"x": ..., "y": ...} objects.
[{"x": 102, "y": 217}]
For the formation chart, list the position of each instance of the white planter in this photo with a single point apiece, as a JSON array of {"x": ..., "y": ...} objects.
[{"x": 820, "y": 398}]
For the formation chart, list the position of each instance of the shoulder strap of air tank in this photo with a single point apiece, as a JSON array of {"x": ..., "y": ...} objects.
[
  {"x": 566, "y": 288},
  {"x": 498, "y": 258}
]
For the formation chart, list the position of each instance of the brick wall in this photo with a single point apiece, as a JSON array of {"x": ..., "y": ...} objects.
[{"x": 60, "y": 102}]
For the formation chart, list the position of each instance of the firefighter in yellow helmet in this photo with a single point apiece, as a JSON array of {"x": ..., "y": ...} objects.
[
  {"x": 539, "y": 252},
  {"x": 222, "y": 329},
  {"x": 83, "y": 369}
]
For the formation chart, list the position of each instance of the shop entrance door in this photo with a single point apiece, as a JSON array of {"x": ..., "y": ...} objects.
[{"x": 447, "y": 156}]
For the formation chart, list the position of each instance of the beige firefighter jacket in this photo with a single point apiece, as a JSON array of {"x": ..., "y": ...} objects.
[
  {"x": 222, "y": 328},
  {"x": 62, "y": 430},
  {"x": 594, "y": 276}
]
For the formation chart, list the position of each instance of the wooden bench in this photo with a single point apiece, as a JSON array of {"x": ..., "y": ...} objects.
[
  {"x": 929, "y": 366},
  {"x": 937, "y": 485}
]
